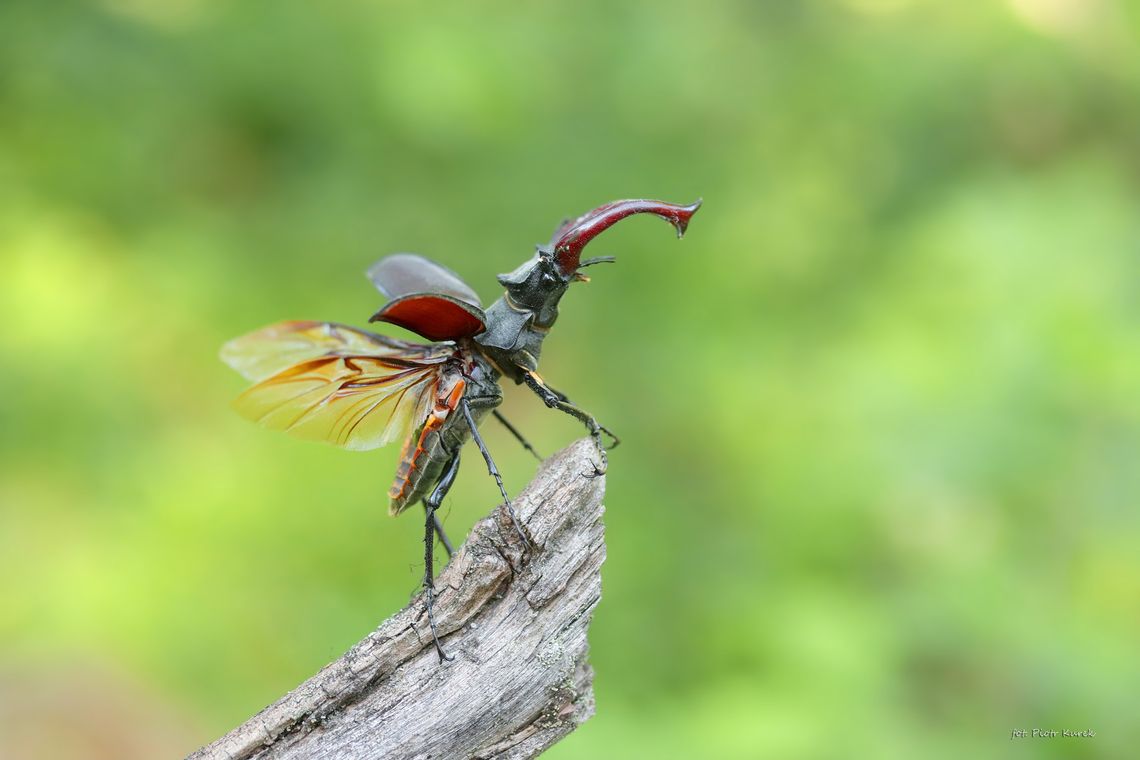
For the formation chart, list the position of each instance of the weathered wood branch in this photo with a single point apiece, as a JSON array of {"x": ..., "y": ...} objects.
[{"x": 515, "y": 621}]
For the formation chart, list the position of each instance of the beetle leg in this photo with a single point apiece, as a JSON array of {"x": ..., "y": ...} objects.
[
  {"x": 491, "y": 468},
  {"x": 516, "y": 434},
  {"x": 566, "y": 400},
  {"x": 610, "y": 433},
  {"x": 552, "y": 399},
  {"x": 558, "y": 394},
  {"x": 442, "y": 536},
  {"x": 431, "y": 504}
]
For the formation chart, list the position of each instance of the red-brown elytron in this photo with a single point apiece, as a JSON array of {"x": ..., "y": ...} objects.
[{"x": 360, "y": 390}]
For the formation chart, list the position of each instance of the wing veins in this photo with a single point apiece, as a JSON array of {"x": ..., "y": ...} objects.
[
  {"x": 331, "y": 382},
  {"x": 395, "y": 406},
  {"x": 324, "y": 402}
]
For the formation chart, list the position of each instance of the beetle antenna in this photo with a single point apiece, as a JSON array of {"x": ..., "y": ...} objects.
[{"x": 597, "y": 260}]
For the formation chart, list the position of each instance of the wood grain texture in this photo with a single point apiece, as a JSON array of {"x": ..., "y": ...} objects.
[{"x": 514, "y": 619}]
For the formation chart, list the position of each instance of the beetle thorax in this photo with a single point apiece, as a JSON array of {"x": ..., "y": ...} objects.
[{"x": 518, "y": 322}]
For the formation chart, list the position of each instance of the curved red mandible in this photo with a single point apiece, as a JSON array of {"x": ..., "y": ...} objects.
[{"x": 572, "y": 237}]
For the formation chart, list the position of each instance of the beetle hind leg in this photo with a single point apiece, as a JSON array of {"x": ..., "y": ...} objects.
[
  {"x": 443, "y": 539},
  {"x": 431, "y": 526}
]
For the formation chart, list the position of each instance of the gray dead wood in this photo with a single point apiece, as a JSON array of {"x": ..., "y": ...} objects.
[{"x": 515, "y": 622}]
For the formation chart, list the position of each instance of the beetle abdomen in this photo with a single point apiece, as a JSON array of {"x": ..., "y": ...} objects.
[{"x": 424, "y": 457}]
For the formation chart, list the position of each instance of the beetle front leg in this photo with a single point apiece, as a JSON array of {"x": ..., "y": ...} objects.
[
  {"x": 566, "y": 400},
  {"x": 557, "y": 393},
  {"x": 555, "y": 400}
]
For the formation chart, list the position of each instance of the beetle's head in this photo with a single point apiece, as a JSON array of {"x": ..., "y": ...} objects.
[{"x": 538, "y": 284}]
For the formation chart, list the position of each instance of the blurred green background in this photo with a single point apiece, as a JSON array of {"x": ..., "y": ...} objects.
[{"x": 877, "y": 495}]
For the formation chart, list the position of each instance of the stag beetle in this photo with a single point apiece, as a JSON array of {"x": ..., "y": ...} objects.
[{"x": 360, "y": 390}]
